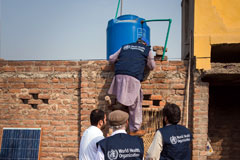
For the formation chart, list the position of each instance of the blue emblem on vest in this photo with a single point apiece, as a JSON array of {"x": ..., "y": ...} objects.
[{"x": 132, "y": 60}]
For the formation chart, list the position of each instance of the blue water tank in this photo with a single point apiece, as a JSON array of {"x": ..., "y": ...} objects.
[{"x": 123, "y": 30}]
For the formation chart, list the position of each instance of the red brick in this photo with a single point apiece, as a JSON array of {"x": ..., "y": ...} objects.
[
  {"x": 169, "y": 68},
  {"x": 88, "y": 101},
  {"x": 20, "y": 69},
  {"x": 87, "y": 112},
  {"x": 147, "y": 91},
  {"x": 3, "y": 85},
  {"x": 56, "y": 63},
  {"x": 159, "y": 75},
  {"x": 84, "y": 95},
  {"x": 42, "y": 122},
  {"x": 162, "y": 86},
  {"x": 107, "y": 68},
  {"x": 34, "y": 91},
  {"x": 20, "y": 63},
  {"x": 55, "y": 80},
  {"x": 31, "y": 69},
  {"x": 8, "y": 69},
  {"x": 75, "y": 128},
  {"x": 14, "y": 79},
  {"x": 46, "y": 128},
  {"x": 41, "y": 63},
  {"x": 30, "y": 85},
  {"x": 60, "y": 69},
  {"x": 14, "y": 90},
  {"x": 69, "y": 144},
  {"x": 88, "y": 90},
  {"x": 54, "y": 144},
  {"x": 84, "y": 84},
  {"x": 61, "y": 150},
  {"x": 177, "y": 63},
  {"x": 41, "y": 80},
  {"x": 73, "y": 86},
  {"x": 45, "y": 69},
  {"x": 70, "y": 63},
  {"x": 58, "y": 86},
  {"x": 73, "y": 138},
  {"x": 44, "y": 96},
  {"x": 162, "y": 103},
  {"x": 157, "y": 80},
  {"x": 180, "y": 92},
  {"x": 16, "y": 85},
  {"x": 25, "y": 96},
  {"x": 156, "y": 97},
  {"x": 74, "y": 69},
  {"x": 178, "y": 86},
  {"x": 44, "y": 85},
  {"x": 28, "y": 80},
  {"x": 147, "y": 103},
  {"x": 147, "y": 86},
  {"x": 34, "y": 101},
  {"x": 91, "y": 85},
  {"x": 164, "y": 62}
]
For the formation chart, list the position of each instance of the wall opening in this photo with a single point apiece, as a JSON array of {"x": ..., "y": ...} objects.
[
  {"x": 225, "y": 53},
  {"x": 224, "y": 120}
]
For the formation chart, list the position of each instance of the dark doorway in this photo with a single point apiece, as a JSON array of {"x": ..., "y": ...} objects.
[{"x": 224, "y": 120}]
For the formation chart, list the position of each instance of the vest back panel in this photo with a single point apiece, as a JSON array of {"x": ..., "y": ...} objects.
[
  {"x": 176, "y": 143},
  {"x": 132, "y": 60},
  {"x": 122, "y": 147}
]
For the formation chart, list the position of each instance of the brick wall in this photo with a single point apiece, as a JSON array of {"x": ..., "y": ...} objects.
[
  {"x": 43, "y": 94},
  {"x": 58, "y": 96},
  {"x": 199, "y": 117}
]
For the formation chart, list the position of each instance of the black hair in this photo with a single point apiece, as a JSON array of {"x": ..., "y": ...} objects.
[
  {"x": 95, "y": 116},
  {"x": 172, "y": 112},
  {"x": 140, "y": 41}
]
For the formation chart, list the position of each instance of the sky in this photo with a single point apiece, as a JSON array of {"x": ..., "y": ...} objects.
[{"x": 76, "y": 29}]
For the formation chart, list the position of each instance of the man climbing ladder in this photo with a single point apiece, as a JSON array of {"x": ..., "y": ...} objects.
[{"x": 130, "y": 61}]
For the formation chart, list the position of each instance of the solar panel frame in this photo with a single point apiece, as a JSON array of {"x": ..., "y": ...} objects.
[{"x": 18, "y": 139}]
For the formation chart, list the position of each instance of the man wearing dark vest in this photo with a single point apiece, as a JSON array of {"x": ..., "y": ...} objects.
[
  {"x": 172, "y": 142},
  {"x": 130, "y": 62},
  {"x": 120, "y": 145}
]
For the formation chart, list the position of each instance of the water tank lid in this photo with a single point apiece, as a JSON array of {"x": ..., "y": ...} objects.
[{"x": 128, "y": 17}]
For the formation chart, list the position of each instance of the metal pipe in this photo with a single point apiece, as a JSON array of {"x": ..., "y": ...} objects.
[
  {"x": 169, "y": 26},
  {"x": 121, "y": 7},
  {"x": 117, "y": 8},
  {"x": 189, "y": 79}
]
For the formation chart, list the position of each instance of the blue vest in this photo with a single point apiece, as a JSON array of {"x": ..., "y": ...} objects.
[
  {"x": 132, "y": 60},
  {"x": 176, "y": 143},
  {"x": 122, "y": 147}
]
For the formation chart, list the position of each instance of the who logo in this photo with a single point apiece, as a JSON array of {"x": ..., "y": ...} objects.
[
  {"x": 126, "y": 47},
  {"x": 112, "y": 154}
]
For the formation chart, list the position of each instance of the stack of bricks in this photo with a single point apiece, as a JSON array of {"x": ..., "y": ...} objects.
[
  {"x": 152, "y": 115},
  {"x": 34, "y": 98},
  {"x": 152, "y": 112},
  {"x": 151, "y": 102}
]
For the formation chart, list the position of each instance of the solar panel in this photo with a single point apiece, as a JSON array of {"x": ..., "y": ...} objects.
[{"x": 20, "y": 144}]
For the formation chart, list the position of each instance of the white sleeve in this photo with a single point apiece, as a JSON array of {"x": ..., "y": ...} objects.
[
  {"x": 156, "y": 147},
  {"x": 100, "y": 155},
  {"x": 114, "y": 57},
  {"x": 150, "y": 61}
]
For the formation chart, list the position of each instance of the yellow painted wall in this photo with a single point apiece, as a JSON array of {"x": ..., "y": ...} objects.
[{"x": 215, "y": 22}]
